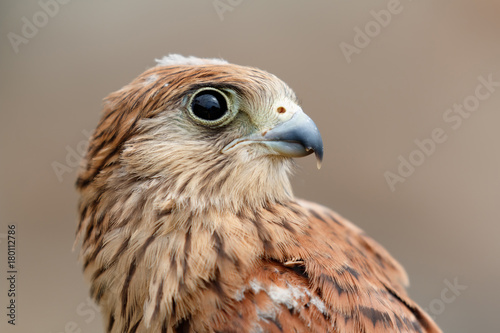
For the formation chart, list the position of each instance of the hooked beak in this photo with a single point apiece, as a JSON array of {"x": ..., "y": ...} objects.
[{"x": 295, "y": 137}]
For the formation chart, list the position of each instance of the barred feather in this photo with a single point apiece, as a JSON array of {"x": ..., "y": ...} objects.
[{"x": 177, "y": 237}]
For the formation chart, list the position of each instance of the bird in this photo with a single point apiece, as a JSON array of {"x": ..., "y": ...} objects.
[{"x": 188, "y": 221}]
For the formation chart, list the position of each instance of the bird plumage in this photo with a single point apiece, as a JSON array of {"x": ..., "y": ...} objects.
[{"x": 187, "y": 227}]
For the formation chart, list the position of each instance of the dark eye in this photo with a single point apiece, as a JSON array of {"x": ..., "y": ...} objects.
[{"x": 209, "y": 105}]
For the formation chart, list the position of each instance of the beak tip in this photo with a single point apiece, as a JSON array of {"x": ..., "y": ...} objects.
[{"x": 319, "y": 159}]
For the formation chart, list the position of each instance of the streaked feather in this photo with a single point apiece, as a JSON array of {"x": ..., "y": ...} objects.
[{"x": 177, "y": 237}]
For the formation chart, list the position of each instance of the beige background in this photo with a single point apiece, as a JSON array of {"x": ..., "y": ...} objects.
[{"x": 442, "y": 223}]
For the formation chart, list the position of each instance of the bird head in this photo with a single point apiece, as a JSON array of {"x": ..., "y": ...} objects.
[{"x": 212, "y": 134}]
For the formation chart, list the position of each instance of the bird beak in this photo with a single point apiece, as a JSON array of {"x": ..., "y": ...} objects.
[{"x": 296, "y": 137}]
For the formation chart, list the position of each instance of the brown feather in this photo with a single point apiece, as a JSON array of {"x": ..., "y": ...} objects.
[{"x": 177, "y": 237}]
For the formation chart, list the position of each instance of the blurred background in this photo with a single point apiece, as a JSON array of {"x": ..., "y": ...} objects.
[{"x": 376, "y": 76}]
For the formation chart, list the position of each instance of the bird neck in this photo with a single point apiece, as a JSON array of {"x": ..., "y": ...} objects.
[
  {"x": 153, "y": 256},
  {"x": 231, "y": 188}
]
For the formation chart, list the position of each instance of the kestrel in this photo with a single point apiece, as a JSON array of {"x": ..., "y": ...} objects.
[{"x": 189, "y": 223}]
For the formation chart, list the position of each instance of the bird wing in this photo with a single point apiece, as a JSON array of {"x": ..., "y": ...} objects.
[{"x": 335, "y": 279}]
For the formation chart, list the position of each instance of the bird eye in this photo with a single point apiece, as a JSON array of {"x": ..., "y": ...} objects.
[{"x": 209, "y": 105}]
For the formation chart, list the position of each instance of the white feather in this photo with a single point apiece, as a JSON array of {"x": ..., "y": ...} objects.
[
  {"x": 286, "y": 296},
  {"x": 177, "y": 59}
]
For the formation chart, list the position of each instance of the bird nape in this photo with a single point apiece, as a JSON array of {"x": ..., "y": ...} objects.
[{"x": 188, "y": 222}]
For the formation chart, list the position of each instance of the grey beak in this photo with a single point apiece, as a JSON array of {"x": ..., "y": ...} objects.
[{"x": 299, "y": 136}]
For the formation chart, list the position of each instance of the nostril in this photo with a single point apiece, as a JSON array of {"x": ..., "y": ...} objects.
[{"x": 281, "y": 109}]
